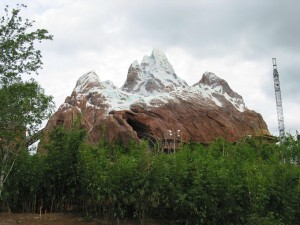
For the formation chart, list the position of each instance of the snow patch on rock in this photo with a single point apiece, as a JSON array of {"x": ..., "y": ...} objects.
[
  {"x": 153, "y": 83},
  {"x": 154, "y": 75}
]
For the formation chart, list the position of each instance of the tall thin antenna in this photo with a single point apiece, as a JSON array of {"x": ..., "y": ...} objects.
[{"x": 278, "y": 99}]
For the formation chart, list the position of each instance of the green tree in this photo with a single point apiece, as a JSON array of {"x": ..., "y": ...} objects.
[
  {"x": 17, "y": 45},
  {"x": 61, "y": 178},
  {"x": 24, "y": 183},
  {"x": 24, "y": 104}
]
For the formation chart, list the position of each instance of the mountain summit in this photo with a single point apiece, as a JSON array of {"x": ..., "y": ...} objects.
[
  {"x": 215, "y": 87},
  {"x": 154, "y": 100},
  {"x": 154, "y": 75}
]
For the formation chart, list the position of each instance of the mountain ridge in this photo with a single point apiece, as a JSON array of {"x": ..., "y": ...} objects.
[
  {"x": 153, "y": 100},
  {"x": 152, "y": 75},
  {"x": 157, "y": 71}
]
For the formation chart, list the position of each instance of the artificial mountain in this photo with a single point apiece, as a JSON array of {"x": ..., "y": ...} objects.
[{"x": 154, "y": 100}]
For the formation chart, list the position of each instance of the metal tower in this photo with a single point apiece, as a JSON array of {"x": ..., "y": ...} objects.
[{"x": 278, "y": 99}]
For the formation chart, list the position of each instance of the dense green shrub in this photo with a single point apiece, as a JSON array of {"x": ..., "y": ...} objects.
[{"x": 251, "y": 182}]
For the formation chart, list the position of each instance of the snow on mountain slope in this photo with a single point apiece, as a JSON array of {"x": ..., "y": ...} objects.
[
  {"x": 89, "y": 85},
  {"x": 211, "y": 86},
  {"x": 110, "y": 96},
  {"x": 154, "y": 75},
  {"x": 154, "y": 83}
]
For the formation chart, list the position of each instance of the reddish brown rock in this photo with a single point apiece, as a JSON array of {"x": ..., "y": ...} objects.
[
  {"x": 110, "y": 128},
  {"x": 196, "y": 123},
  {"x": 208, "y": 110}
]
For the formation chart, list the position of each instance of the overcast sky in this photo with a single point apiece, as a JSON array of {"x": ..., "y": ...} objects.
[{"x": 234, "y": 39}]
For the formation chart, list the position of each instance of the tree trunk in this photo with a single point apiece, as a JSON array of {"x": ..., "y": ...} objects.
[
  {"x": 3, "y": 173},
  {"x": 1, "y": 183}
]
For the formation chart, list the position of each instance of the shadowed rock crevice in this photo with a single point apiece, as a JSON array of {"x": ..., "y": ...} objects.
[{"x": 138, "y": 127}]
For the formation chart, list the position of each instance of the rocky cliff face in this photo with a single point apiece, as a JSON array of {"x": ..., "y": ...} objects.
[{"x": 154, "y": 100}]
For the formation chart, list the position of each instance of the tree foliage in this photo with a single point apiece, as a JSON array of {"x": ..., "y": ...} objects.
[
  {"x": 17, "y": 45},
  {"x": 223, "y": 183},
  {"x": 24, "y": 105}
]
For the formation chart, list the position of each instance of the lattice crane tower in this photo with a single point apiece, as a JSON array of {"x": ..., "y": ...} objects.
[{"x": 278, "y": 99}]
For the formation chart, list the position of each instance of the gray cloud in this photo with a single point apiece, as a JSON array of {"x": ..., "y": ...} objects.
[
  {"x": 236, "y": 39},
  {"x": 252, "y": 28}
]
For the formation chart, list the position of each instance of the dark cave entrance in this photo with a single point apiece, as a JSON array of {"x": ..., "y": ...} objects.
[
  {"x": 138, "y": 127},
  {"x": 143, "y": 133}
]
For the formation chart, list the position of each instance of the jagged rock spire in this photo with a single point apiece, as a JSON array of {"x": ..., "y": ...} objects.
[{"x": 154, "y": 75}]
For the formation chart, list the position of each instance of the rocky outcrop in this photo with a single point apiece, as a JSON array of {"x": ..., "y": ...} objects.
[{"x": 153, "y": 101}]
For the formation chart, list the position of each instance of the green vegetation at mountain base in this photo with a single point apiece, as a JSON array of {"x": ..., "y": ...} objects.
[{"x": 251, "y": 182}]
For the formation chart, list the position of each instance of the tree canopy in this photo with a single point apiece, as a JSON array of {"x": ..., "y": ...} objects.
[
  {"x": 24, "y": 105},
  {"x": 251, "y": 182},
  {"x": 18, "y": 54}
]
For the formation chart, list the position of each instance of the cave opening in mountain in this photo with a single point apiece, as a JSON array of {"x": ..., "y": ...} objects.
[
  {"x": 138, "y": 127},
  {"x": 143, "y": 132}
]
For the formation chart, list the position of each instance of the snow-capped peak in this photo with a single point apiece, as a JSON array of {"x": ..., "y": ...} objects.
[
  {"x": 157, "y": 61},
  {"x": 154, "y": 75},
  {"x": 87, "y": 81},
  {"x": 216, "y": 83},
  {"x": 213, "y": 86},
  {"x": 90, "y": 82},
  {"x": 90, "y": 76},
  {"x": 154, "y": 82},
  {"x": 211, "y": 77},
  {"x": 135, "y": 64}
]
